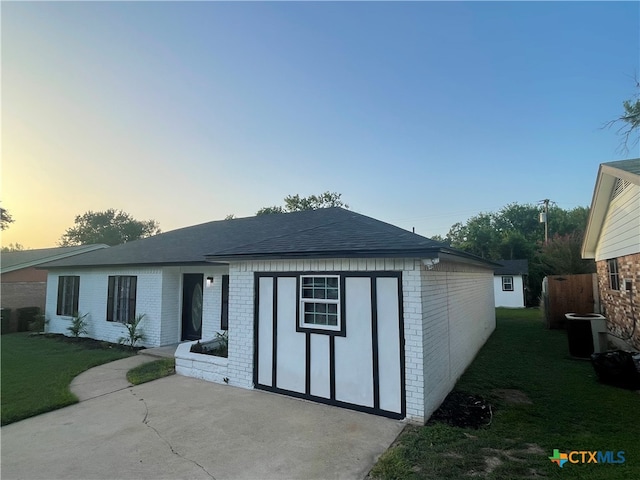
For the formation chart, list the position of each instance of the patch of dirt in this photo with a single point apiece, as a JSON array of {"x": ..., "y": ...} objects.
[
  {"x": 491, "y": 463},
  {"x": 516, "y": 397},
  {"x": 496, "y": 457},
  {"x": 463, "y": 410}
]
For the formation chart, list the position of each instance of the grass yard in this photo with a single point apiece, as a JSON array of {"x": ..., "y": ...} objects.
[
  {"x": 152, "y": 371},
  {"x": 37, "y": 372},
  {"x": 568, "y": 410}
]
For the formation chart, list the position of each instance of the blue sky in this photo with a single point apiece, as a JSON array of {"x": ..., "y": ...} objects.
[{"x": 421, "y": 114}]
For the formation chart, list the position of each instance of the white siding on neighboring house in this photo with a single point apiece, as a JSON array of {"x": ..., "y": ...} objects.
[
  {"x": 458, "y": 316},
  {"x": 511, "y": 299},
  {"x": 620, "y": 234}
]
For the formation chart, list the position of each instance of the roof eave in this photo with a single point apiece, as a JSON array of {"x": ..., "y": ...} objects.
[
  {"x": 322, "y": 254},
  {"x": 436, "y": 252},
  {"x": 54, "y": 258},
  {"x": 123, "y": 265},
  {"x": 599, "y": 205}
]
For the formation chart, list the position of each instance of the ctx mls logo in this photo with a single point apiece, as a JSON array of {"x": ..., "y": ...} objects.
[{"x": 583, "y": 456}]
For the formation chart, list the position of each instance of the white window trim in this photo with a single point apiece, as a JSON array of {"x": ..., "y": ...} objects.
[
  {"x": 314, "y": 326},
  {"x": 504, "y": 277}
]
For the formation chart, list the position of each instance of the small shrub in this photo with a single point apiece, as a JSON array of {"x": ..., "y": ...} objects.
[
  {"x": 221, "y": 348},
  {"x": 26, "y": 315},
  {"x": 5, "y": 315},
  {"x": 134, "y": 332},
  {"x": 78, "y": 325},
  {"x": 38, "y": 323}
]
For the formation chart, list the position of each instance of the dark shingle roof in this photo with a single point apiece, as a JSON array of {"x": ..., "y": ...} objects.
[
  {"x": 317, "y": 233},
  {"x": 513, "y": 267},
  {"x": 631, "y": 165},
  {"x": 12, "y": 261}
]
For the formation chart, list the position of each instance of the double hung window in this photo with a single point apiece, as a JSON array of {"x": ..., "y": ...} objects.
[
  {"x": 320, "y": 302},
  {"x": 68, "y": 292},
  {"x": 507, "y": 284},
  {"x": 121, "y": 299}
]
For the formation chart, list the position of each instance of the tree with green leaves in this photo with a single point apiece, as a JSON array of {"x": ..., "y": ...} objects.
[
  {"x": 514, "y": 232},
  {"x": 5, "y": 219},
  {"x": 296, "y": 203},
  {"x": 562, "y": 255},
  {"x": 112, "y": 227},
  {"x": 13, "y": 247}
]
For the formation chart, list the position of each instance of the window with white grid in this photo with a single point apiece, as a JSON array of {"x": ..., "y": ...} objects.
[{"x": 320, "y": 302}]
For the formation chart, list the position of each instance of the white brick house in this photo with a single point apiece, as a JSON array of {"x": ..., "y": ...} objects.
[{"x": 327, "y": 305}]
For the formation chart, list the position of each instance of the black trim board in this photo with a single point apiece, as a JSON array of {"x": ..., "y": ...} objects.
[
  {"x": 335, "y": 403},
  {"x": 332, "y": 361}
]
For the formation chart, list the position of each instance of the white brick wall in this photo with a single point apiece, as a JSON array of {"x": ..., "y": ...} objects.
[
  {"x": 158, "y": 296},
  {"x": 413, "y": 347},
  {"x": 241, "y": 316},
  {"x": 459, "y": 316},
  {"x": 448, "y": 315},
  {"x": 93, "y": 301},
  {"x": 204, "y": 367}
]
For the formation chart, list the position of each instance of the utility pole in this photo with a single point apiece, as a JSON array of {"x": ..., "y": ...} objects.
[{"x": 544, "y": 218}]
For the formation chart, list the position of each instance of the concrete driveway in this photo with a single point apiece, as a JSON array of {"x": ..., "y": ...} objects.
[{"x": 179, "y": 427}]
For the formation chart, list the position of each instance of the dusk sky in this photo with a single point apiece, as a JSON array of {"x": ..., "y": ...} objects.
[{"x": 421, "y": 114}]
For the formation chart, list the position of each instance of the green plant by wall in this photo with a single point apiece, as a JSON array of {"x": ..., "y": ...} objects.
[
  {"x": 134, "y": 332},
  {"x": 26, "y": 315},
  {"x": 223, "y": 338},
  {"x": 78, "y": 325},
  {"x": 38, "y": 323}
]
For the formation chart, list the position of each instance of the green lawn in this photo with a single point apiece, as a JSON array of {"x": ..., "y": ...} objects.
[
  {"x": 152, "y": 371},
  {"x": 570, "y": 411},
  {"x": 37, "y": 372}
]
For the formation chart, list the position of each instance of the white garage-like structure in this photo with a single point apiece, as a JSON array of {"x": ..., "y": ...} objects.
[{"x": 326, "y": 305}]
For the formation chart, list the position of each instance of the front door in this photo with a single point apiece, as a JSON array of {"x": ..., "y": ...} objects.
[{"x": 192, "y": 306}]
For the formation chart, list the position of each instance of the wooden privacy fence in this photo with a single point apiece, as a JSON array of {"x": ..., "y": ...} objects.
[{"x": 567, "y": 294}]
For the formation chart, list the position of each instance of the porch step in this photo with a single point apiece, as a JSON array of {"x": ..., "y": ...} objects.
[{"x": 168, "y": 351}]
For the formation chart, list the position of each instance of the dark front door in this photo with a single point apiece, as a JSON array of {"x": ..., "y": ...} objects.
[{"x": 192, "y": 306}]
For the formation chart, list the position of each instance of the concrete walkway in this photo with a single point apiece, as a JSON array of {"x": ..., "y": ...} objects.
[
  {"x": 182, "y": 428},
  {"x": 112, "y": 377}
]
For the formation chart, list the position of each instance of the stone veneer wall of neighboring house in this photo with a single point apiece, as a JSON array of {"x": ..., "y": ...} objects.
[{"x": 621, "y": 306}]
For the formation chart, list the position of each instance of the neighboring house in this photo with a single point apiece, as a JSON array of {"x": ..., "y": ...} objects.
[
  {"x": 23, "y": 285},
  {"x": 327, "y": 305},
  {"x": 509, "y": 283},
  {"x": 612, "y": 238}
]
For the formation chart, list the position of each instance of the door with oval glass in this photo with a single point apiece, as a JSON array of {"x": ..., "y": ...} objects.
[{"x": 192, "y": 306}]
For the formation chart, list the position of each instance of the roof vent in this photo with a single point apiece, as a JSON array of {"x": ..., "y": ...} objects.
[{"x": 619, "y": 187}]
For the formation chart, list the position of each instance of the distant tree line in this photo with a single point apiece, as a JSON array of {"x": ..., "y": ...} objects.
[{"x": 515, "y": 232}]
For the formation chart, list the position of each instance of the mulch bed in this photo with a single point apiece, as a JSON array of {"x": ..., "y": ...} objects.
[
  {"x": 88, "y": 343},
  {"x": 463, "y": 410}
]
